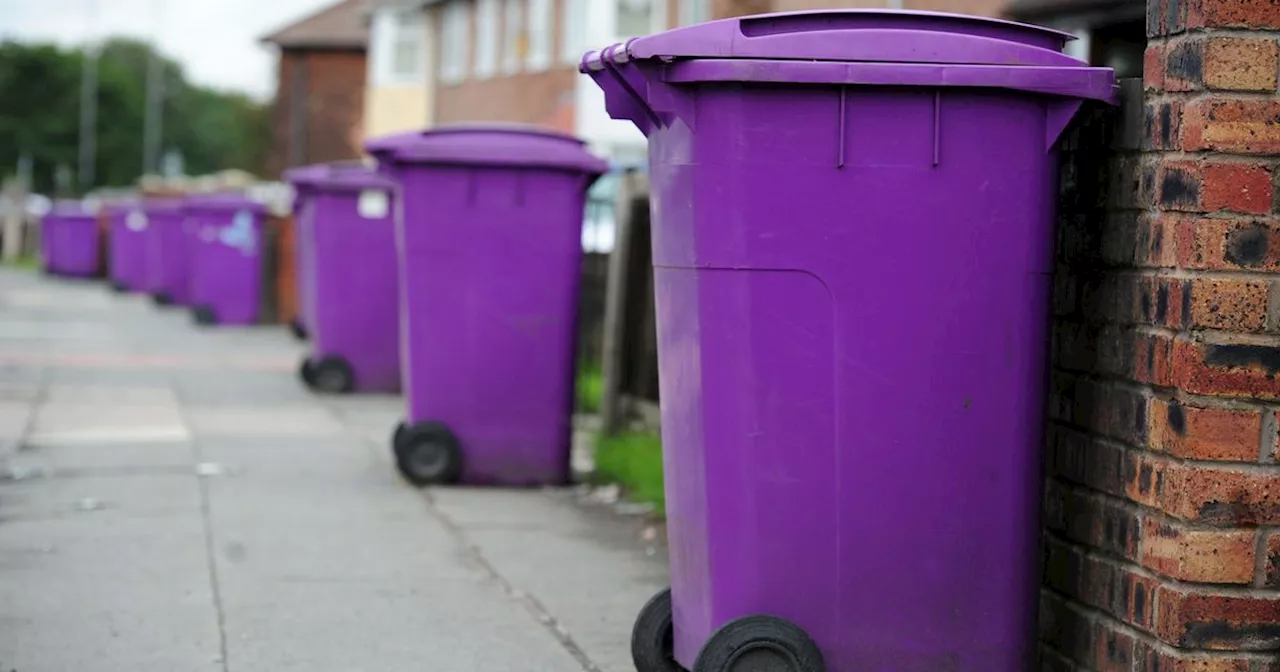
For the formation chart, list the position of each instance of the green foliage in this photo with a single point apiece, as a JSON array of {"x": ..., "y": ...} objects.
[
  {"x": 40, "y": 87},
  {"x": 590, "y": 387},
  {"x": 633, "y": 461}
]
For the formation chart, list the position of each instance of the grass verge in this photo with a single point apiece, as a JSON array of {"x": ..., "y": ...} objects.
[{"x": 633, "y": 461}]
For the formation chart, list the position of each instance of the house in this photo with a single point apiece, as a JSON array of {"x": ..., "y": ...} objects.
[
  {"x": 401, "y": 72},
  {"x": 318, "y": 114}
]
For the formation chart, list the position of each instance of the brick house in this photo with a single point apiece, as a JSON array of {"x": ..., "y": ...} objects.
[{"x": 319, "y": 105}]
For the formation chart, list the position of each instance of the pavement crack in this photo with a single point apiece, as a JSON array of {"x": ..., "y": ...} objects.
[
  {"x": 210, "y": 544},
  {"x": 535, "y": 607}
]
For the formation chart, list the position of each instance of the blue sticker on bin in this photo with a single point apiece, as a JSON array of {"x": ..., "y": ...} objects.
[{"x": 240, "y": 234}]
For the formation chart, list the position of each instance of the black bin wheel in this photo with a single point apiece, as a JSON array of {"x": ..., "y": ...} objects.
[
  {"x": 760, "y": 644},
  {"x": 204, "y": 315},
  {"x": 299, "y": 332},
  {"x": 397, "y": 436},
  {"x": 429, "y": 454},
  {"x": 306, "y": 371},
  {"x": 653, "y": 636},
  {"x": 330, "y": 374},
  {"x": 162, "y": 299},
  {"x": 118, "y": 287}
]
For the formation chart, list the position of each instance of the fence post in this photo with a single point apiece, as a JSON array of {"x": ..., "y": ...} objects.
[{"x": 633, "y": 186}]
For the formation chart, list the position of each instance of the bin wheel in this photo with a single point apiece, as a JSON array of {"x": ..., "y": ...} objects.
[
  {"x": 760, "y": 643},
  {"x": 306, "y": 372},
  {"x": 162, "y": 299},
  {"x": 397, "y": 436},
  {"x": 118, "y": 287},
  {"x": 330, "y": 374},
  {"x": 299, "y": 332},
  {"x": 429, "y": 454},
  {"x": 653, "y": 636},
  {"x": 204, "y": 315}
]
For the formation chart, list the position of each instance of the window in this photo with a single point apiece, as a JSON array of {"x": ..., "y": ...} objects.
[
  {"x": 408, "y": 50},
  {"x": 513, "y": 48},
  {"x": 538, "y": 21},
  {"x": 694, "y": 11},
  {"x": 640, "y": 17},
  {"x": 486, "y": 38},
  {"x": 453, "y": 61},
  {"x": 573, "y": 31}
]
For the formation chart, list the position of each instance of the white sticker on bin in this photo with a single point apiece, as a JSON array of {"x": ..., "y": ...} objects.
[
  {"x": 373, "y": 204},
  {"x": 240, "y": 235},
  {"x": 136, "y": 220}
]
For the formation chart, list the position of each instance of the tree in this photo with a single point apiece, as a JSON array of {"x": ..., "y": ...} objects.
[{"x": 40, "y": 87}]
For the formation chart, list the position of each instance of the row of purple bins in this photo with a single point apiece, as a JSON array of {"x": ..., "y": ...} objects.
[
  {"x": 852, "y": 224},
  {"x": 183, "y": 251}
]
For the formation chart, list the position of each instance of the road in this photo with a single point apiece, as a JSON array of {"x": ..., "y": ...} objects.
[{"x": 172, "y": 499}]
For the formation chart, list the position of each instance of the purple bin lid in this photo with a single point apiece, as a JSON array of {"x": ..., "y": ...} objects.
[
  {"x": 488, "y": 145},
  {"x": 862, "y": 35},
  {"x": 340, "y": 175}
]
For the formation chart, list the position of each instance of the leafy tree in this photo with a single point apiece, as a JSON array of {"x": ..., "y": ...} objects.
[{"x": 40, "y": 87}]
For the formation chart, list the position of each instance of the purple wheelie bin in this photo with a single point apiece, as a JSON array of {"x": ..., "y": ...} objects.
[
  {"x": 166, "y": 251},
  {"x": 351, "y": 281},
  {"x": 127, "y": 245},
  {"x": 303, "y": 180},
  {"x": 852, "y": 252},
  {"x": 72, "y": 234},
  {"x": 490, "y": 241},
  {"x": 226, "y": 263}
]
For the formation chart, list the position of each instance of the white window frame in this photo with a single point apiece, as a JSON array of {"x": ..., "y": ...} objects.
[
  {"x": 454, "y": 34},
  {"x": 539, "y": 22},
  {"x": 487, "y": 38},
  {"x": 393, "y": 28},
  {"x": 694, "y": 11},
  {"x": 657, "y": 18},
  {"x": 513, "y": 36},
  {"x": 573, "y": 31}
]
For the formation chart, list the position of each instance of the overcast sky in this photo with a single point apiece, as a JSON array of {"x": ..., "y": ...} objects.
[{"x": 215, "y": 40}]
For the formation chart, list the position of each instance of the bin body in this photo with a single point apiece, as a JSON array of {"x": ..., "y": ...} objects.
[
  {"x": 352, "y": 279},
  {"x": 852, "y": 269},
  {"x": 303, "y": 181},
  {"x": 71, "y": 234},
  {"x": 166, "y": 254},
  {"x": 226, "y": 240},
  {"x": 489, "y": 235},
  {"x": 127, "y": 245}
]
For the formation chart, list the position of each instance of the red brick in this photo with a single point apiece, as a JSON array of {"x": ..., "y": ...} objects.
[
  {"x": 1065, "y": 629},
  {"x": 1179, "y": 186},
  {"x": 1236, "y": 305},
  {"x": 1271, "y": 564},
  {"x": 1198, "y": 620},
  {"x": 1236, "y": 187},
  {"x": 1093, "y": 520},
  {"x": 1200, "y": 556},
  {"x": 1163, "y": 125},
  {"x": 1233, "y": 13},
  {"x": 1228, "y": 370},
  {"x": 1153, "y": 67},
  {"x": 1184, "y": 64},
  {"x": 1113, "y": 649},
  {"x": 1191, "y": 432},
  {"x": 1119, "y": 591},
  {"x": 1080, "y": 458},
  {"x": 1232, "y": 125},
  {"x": 1228, "y": 244},
  {"x": 1154, "y": 658},
  {"x": 1152, "y": 359},
  {"x": 1241, "y": 63},
  {"x": 1218, "y": 496}
]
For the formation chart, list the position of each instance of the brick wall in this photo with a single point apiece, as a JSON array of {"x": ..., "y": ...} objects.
[
  {"x": 1162, "y": 500},
  {"x": 329, "y": 85}
]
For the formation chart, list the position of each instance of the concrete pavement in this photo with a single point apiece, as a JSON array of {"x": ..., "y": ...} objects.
[{"x": 172, "y": 499}]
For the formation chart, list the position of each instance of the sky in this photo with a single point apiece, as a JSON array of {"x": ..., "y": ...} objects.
[{"x": 215, "y": 40}]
